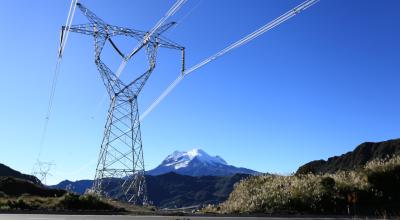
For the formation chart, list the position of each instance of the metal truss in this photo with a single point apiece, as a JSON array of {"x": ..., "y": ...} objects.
[
  {"x": 120, "y": 172},
  {"x": 41, "y": 170}
]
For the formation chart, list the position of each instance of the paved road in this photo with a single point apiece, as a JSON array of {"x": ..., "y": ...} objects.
[{"x": 110, "y": 217}]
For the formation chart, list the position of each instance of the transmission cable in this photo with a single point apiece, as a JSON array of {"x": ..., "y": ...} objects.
[
  {"x": 178, "y": 4},
  {"x": 184, "y": 17},
  {"x": 279, "y": 20},
  {"x": 56, "y": 74}
]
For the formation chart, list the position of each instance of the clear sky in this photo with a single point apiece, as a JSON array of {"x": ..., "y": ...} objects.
[{"x": 316, "y": 86}]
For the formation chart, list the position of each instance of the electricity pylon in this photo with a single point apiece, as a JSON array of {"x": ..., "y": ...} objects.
[
  {"x": 41, "y": 170},
  {"x": 120, "y": 172}
]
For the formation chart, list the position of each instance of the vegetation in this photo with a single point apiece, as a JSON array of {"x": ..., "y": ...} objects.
[
  {"x": 67, "y": 202},
  {"x": 371, "y": 190},
  {"x": 24, "y": 192},
  {"x": 172, "y": 190}
]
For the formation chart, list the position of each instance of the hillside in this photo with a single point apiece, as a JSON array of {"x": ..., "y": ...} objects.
[
  {"x": 354, "y": 159},
  {"x": 27, "y": 193},
  {"x": 174, "y": 190},
  {"x": 371, "y": 190},
  {"x": 16, "y": 187},
  {"x": 78, "y": 187},
  {"x": 6, "y": 171},
  {"x": 15, "y": 183}
]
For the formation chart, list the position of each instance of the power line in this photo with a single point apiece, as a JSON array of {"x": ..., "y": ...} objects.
[
  {"x": 184, "y": 17},
  {"x": 56, "y": 74},
  {"x": 178, "y": 4},
  {"x": 279, "y": 20}
]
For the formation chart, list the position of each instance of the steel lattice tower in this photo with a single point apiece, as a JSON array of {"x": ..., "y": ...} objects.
[{"x": 120, "y": 172}]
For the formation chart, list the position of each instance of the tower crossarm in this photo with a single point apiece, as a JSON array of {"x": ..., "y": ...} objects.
[
  {"x": 87, "y": 29},
  {"x": 100, "y": 29},
  {"x": 166, "y": 43},
  {"x": 92, "y": 17},
  {"x": 164, "y": 28},
  {"x": 129, "y": 32},
  {"x": 108, "y": 31}
]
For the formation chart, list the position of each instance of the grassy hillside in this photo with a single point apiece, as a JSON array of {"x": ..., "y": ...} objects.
[
  {"x": 372, "y": 190},
  {"x": 67, "y": 202},
  {"x": 20, "y": 194}
]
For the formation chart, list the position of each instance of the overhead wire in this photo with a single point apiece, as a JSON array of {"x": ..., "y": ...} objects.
[
  {"x": 184, "y": 17},
  {"x": 67, "y": 27},
  {"x": 178, "y": 4},
  {"x": 277, "y": 21},
  {"x": 64, "y": 38}
]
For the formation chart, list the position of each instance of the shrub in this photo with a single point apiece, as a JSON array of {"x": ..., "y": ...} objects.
[
  {"x": 384, "y": 177},
  {"x": 328, "y": 183},
  {"x": 19, "y": 204},
  {"x": 375, "y": 188},
  {"x": 86, "y": 202}
]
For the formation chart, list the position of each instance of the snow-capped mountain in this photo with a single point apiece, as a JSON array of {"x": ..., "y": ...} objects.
[
  {"x": 197, "y": 162},
  {"x": 181, "y": 159}
]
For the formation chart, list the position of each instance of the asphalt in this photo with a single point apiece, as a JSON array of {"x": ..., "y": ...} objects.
[{"x": 125, "y": 217}]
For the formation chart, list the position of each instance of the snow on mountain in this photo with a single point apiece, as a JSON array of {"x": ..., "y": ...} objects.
[
  {"x": 197, "y": 162},
  {"x": 180, "y": 159}
]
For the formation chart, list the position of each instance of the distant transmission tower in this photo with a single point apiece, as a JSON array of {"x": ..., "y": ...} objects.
[
  {"x": 120, "y": 171},
  {"x": 42, "y": 170}
]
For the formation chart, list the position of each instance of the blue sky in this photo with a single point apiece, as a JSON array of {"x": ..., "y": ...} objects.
[{"x": 316, "y": 86}]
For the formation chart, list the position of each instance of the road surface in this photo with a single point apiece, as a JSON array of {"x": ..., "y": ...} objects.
[{"x": 116, "y": 217}]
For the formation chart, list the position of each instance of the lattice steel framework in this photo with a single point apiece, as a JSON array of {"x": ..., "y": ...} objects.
[{"x": 120, "y": 171}]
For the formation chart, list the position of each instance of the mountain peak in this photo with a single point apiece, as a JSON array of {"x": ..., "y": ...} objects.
[
  {"x": 196, "y": 162},
  {"x": 196, "y": 152},
  {"x": 180, "y": 159}
]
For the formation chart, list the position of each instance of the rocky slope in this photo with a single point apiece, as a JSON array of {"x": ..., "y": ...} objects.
[{"x": 354, "y": 159}]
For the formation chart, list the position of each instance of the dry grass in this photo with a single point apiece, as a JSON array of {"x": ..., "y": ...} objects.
[
  {"x": 66, "y": 202},
  {"x": 311, "y": 193}
]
